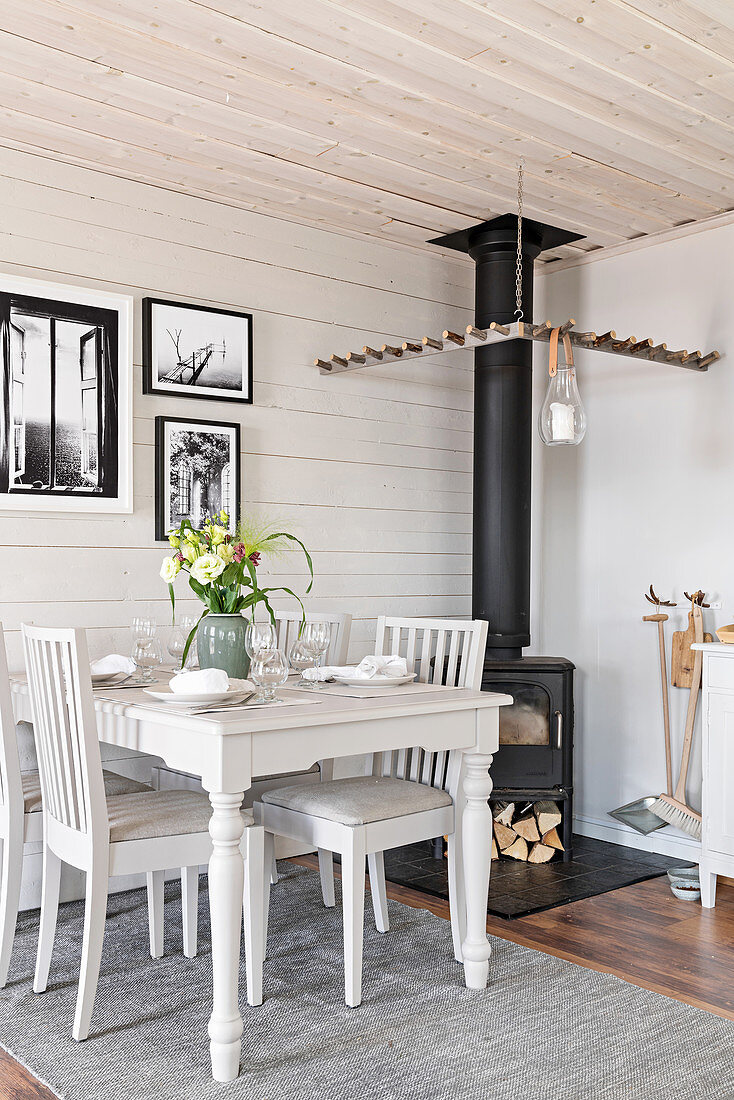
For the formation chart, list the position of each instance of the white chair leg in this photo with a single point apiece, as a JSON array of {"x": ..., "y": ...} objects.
[
  {"x": 154, "y": 881},
  {"x": 353, "y": 906},
  {"x": 190, "y": 909},
  {"x": 268, "y": 849},
  {"x": 274, "y": 871},
  {"x": 95, "y": 914},
  {"x": 326, "y": 873},
  {"x": 254, "y": 913},
  {"x": 12, "y": 871},
  {"x": 49, "y": 912},
  {"x": 376, "y": 864},
  {"x": 457, "y": 901}
]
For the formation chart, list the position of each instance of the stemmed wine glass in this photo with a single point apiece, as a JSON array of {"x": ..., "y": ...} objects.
[
  {"x": 268, "y": 671},
  {"x": 316, "y": 638},
  {"x": 146, "y": 649},
  {"x": 259, "y": 636},
  {"x": 301, "y": 657},
  {"x": 177, "y": 642}
]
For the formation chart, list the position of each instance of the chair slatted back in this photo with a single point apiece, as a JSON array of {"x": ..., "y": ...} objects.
[
  {"x": 445, "y": 652},
  {"x": 288, "y": 624},
  {"x": 11, "y": 784},
  {"x": 65, "y": 727}
]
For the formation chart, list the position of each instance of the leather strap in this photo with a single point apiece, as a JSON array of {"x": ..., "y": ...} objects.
[{"x": 553, "y": 358}]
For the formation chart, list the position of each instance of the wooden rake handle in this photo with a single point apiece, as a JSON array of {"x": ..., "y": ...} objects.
[
  {"x": 660, "y": 618},
  {"x": 680, "y": 790}
]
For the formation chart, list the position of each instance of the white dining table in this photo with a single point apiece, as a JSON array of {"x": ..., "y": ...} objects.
[{"x": 227, "y": 749}]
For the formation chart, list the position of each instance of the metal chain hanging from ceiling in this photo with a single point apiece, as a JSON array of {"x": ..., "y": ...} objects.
[{"x": 518, "y": 262}]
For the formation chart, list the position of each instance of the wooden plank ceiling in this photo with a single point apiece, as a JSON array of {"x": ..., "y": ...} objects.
[{"x": 395, "y": 119}]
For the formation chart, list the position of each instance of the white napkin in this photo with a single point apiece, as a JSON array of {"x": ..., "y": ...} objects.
[
  {"x": 204, "y": 681},
  {"x": 367, "y": 669},
  {"x": 113, "y": 662}
]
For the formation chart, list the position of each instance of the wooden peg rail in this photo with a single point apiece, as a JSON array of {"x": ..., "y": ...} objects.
[{"x": 495, "y": 333}]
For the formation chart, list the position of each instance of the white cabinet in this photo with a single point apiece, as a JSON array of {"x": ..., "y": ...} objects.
[{"x": 717, "y": 801}]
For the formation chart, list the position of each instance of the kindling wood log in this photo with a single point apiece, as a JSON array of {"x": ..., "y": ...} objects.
[
  {"x": 504, "y": 812},
  {"x": 371, "y": 352},
  {"x": 504, "y": 835},
  {"x": 519, "y": 330},
  {"x": 540, "y": 853},
  {"x": 518, "y": 850},
  {"x": 552, "y": 840},
  {"x": 547, "y": 815},
  {"x": 527, "y": 827}
]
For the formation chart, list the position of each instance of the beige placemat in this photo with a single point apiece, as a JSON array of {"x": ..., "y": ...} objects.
[{"x": 350, "y": 692}]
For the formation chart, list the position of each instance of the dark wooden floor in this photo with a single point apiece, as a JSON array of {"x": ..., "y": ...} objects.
[{"x": 641, "y": 933}]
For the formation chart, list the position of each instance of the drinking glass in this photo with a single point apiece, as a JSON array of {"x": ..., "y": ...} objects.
[
  {"x": 177, "y": 642},
  {"x": 268, "y": 672},
  {"x": 317, "y": 638},
  {"x": 146, "y": 649},
  {"x": 259, "y": 636},
  {"x": 301, "y": 657}
]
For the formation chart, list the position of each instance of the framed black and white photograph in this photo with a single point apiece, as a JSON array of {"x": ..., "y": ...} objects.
[
  {"x": 196, "y": 351},
  {"x": 197, "y": 472},
  {"x": 66, "y": 441}
]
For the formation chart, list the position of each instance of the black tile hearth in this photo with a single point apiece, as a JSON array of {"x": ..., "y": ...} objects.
[{"x": 517, "y": 889}]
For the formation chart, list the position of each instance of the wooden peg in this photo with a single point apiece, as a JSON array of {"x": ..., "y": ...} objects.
[
  {"x": 355, "y": 357},
  {"x": 429, "y": 342},
  {"x": 566, "y": 326},
  {"x": 371, "y": 352},
  {"x": 338, "y": 360},
  {"x": 623, "y": 345},
  {"x": 321, "y": 364},
  {"x": 672, "y": 356},
  {"x": 584, "y": 337},
  {"x": 414, "y": 348},
  {"x": 503, "y": 330},
  {"x": 454, "y": 337},
  {"x": 710, "y": 358},
  {"x": 542, "y": 329},
  {"x": 397, "y": 352},
  {"x": 476, "y": 333},
  {"x": 641, "y": 345},
  {"x": 656, "y": 350},
  {"x": 605, "y": 338},
  {"x": 691, "y": 355}
]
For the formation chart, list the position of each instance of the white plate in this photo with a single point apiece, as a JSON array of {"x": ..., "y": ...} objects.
[
  {"x": 375, "y": 681},
  {"x": 108, "y": 677},
  {"x": 187, "y": 698}
]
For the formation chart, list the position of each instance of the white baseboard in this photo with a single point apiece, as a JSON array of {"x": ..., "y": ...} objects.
[{"x": 667, "y": 842}]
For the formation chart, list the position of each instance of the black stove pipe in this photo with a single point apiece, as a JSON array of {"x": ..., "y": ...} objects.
[{"x": 503, "y": 428}]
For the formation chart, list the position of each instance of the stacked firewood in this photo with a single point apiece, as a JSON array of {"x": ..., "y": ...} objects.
[{"x": 526, "y": 831}]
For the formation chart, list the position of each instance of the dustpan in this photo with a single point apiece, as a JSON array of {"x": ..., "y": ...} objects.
[{"x": 639, "y": 816}]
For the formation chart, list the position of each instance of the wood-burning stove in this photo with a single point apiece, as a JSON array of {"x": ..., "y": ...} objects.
[{"x": 535, "y": 759}]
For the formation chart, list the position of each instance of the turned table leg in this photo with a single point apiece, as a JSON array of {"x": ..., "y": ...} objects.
[
  {"x": 476, "y": 834},
  {"x": 226, "y": 883}
]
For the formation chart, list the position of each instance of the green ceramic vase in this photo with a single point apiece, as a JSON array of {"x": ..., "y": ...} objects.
[{"x": 220, "y": 641}]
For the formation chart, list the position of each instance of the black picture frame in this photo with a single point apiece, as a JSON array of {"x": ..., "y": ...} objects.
[
  {"x": 239, "y": 325},
  {"x": 183, "y": 491},
  {"x": 65, "y": 398}
]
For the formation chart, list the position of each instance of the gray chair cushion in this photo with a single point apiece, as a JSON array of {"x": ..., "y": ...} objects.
[
  {"x": 113, "y": 784},
  {"x": 159, "y": 813},
  {"x": 359, "y": 800}
]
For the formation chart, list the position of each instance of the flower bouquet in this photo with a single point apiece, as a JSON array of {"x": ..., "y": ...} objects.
[{"x": 222, "y": 568}]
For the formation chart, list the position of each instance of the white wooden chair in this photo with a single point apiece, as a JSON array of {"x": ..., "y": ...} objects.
[
  {"x": 404, "y": 797},
  {"x": 120, "y": 835},
  {"x": 21, "y": 817}
]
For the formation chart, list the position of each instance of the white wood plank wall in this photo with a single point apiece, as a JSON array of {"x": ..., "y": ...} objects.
[{"x": 372, "y": 470}]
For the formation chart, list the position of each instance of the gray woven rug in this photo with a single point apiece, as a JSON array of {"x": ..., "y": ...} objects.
[{"x": 545, "y": 1029}]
